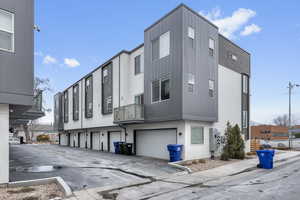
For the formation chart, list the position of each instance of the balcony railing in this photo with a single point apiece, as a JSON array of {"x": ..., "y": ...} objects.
[{"x": 133, "y": 113}]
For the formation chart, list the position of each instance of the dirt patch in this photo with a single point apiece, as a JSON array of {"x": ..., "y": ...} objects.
[
  {"x": 41, "y": 192},
  {"x": 205, "y": 164}
]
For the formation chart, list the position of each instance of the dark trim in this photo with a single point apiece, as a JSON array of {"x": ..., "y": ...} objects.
[
  {"x": 78, "y": 140},
  {"x": 108, "y": 138},
  {"x": 75, "y": 116},
  {"x": 175, "y": 9},
  {"x": 234, "y": 44},
  {"x": 91, "y": 140},
  {"x": 69, "y": 139},
  {"x": 86, "y": 114},
  {"x": 109, "y": 65}
]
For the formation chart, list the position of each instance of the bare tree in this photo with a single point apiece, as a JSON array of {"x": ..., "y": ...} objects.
[{"x": 283, "y": 120}]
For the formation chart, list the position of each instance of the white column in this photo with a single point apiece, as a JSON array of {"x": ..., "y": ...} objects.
[{"x": 4, "y": 146}]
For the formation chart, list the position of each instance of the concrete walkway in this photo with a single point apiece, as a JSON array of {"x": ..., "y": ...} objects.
[{"x": 152, "y": 188}]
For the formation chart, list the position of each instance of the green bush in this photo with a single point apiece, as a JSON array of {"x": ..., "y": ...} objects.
[
  {"x": 43, "y": 138},
  {"x": 235, "y": 146}
]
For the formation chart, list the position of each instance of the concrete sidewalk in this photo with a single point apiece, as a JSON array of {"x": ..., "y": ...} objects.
[{"x": 154, "y": 187}]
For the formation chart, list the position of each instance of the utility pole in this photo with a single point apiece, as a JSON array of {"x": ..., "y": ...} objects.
[{"x": 290, "y": 87}]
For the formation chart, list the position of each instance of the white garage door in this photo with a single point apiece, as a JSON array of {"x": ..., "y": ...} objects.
[
  {"x": 153, "y": 143},
  {"x": 114, "y": 137},
  {"x": 96, "y": 141},
  {"x": 82, "y": 140}
]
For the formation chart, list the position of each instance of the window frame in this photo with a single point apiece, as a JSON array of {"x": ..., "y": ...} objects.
[
  {"x": 10, "y": 32},
  {"x": 159, "y": 44},
  {"x": 141, "y": 99},
  {"x": 211, "y": 51},
  {"x": 159, "y": 97},
  {"x": 245, "y": 81},
  {"x": 203, "y": 135},
  {"x": 245, "y": 119},
  {"x": 75, "y": 114},
  {"x": 211, "y": 91},
  {"x": 66, "y": 106},
  {"x": 135, "y": 65},
  {"x": 87, "y": 113}
]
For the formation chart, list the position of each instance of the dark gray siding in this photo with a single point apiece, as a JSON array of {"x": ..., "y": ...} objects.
[
  {"x": 89, "y": 97},
  {"x": 167, "y": 67},
  {"x": 226, "y": 49},
  {"x": 58, "y": 112},
  {"x": 16, "y": 69},
  {"x": 198, "y": 105},
  {"x": 76, "y": 102}
]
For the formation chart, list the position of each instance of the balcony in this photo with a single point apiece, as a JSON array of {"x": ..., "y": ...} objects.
[{"x": 133, "y": 113}]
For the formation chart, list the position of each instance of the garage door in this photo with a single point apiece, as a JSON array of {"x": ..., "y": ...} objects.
[
  {"x": 113, "y": 137},
  {"x": 153, "y": 143},
  {"x": 96, "y": 140},
  {"x": 82, "y": 140}
]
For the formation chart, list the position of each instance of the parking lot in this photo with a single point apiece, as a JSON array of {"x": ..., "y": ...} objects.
[{"x": 82, "y": 168}]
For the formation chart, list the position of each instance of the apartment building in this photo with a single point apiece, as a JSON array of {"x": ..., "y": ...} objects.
[
  {"x": 181, "y": 86},
  {"x": 18, "y": 102}
]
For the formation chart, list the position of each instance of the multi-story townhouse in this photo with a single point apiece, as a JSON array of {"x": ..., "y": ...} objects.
[
  {"x": 180, "y": 87},
  {"x": 17, "y": 97}
]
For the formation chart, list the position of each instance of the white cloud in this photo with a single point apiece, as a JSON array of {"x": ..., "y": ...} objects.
[
  {"x": 49, "y": 60},
  {"x": 71, "y": 62},
  {"x": 228, "y": 26},
  {"x": 250, "y": 29}
]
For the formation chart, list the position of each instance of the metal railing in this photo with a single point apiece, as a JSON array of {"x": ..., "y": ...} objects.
[{"x": 132, "y": 113}]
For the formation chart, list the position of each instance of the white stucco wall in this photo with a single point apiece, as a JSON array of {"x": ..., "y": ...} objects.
[{"x": 4, "y": 146}]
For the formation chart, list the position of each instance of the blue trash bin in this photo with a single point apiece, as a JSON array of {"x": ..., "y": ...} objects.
[
  {"x": 117, "y": 147},
  {"x": 175, "y": 152},
  {"x": 265, "y": 158}
]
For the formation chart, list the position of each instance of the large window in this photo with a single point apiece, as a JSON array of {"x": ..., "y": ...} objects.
[
  {"x": 89, "y": 97},
  {"x": 211, "y": 46},
  {"x": 161, "y": 46},
  {"x": 137, "y": 65},
  {"x": 245, "y": 84},
  {"x": 245, "y": 119},
  {"x": 191, "y": 36},
  {"x": 160, "y": 90},
  {"x": 107, "y": 94},
  {"x": 76, "y": 102},
  {"x": 197, "y": 135},
  {"x": 191, "y": 82},
  {"x": 211, "y": 88},
  {"x": 66, "y": 107},
  {"x": 6, "y": 31}
]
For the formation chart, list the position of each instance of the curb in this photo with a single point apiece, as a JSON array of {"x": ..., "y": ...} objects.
[{"x": 58, "y": 180}]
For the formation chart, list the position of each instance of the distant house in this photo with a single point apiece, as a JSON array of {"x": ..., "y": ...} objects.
[{"x": 269, "y": 132}]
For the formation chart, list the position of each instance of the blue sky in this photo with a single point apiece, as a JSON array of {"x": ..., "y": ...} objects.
[{"x": 77, "y": 37}]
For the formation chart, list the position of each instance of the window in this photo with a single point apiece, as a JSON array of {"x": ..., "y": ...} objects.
[
  {"x": 6, "y": 31},
  {"x": 191, "y": 82},
  {"x": 104, "y": 75},
  {"x": 191, "y": 36},
  {"x": 66, "y": 107},
  {"x": 164, "y": 45},
  {"x": 109, "y": 104},
  {"x": 76, "y": 102},
  {"x": 107, "y": 88},
  {"x": 161, "y": 46},
  {"x": 137, "y": 65},
  {"x": 197, "y": 135},
  {"x": 211, "y": 46},
  {"x": 245, "y": 119},
  {"x": 139, "y": 99},
  {"x": 233, "y": 57},
  {"x": 245, "y": 84},
  {"x": 89, "y": 97},
  {"x": 165, "y": 89},
  {"x": 155, "y": 91},
  {"x": 191, "y": 32},
  {"x": 160, "y": 90},
  {"x": 211, "y": 87}
]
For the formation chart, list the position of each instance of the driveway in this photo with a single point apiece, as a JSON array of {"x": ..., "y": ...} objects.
[{"x": 82, "y": 168}]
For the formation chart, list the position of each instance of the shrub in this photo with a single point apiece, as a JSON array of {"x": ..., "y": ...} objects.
[
  {"x": 43, "y": 138},
  {"x": 234, "y": 147}
]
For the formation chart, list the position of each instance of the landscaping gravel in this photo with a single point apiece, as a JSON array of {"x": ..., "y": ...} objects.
[{"x": 41, "y": 192}]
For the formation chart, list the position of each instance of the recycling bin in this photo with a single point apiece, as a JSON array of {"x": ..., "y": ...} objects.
[
  {"x": 175, "y": 151},
  {"x": 265, "y": 158}
]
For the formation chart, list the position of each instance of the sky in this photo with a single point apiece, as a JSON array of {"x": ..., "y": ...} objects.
[{"x": 77, "y": 37}]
